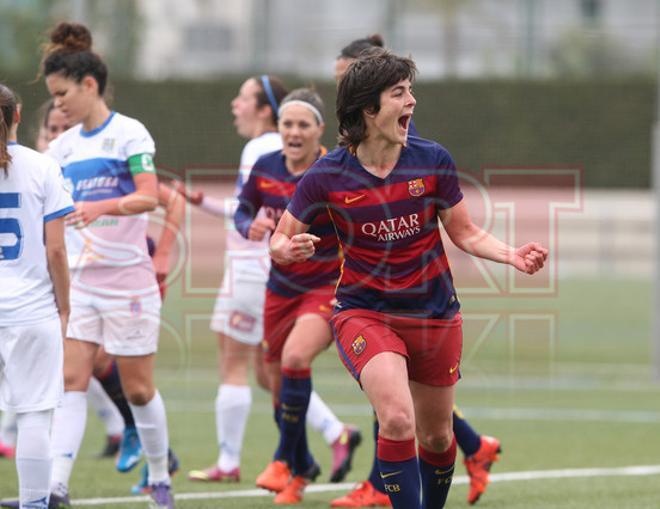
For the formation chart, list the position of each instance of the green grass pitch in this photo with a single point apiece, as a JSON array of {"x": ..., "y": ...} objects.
[{"x": 580, "y": 399}]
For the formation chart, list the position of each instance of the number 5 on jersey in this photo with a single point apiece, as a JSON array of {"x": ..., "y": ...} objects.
[{"x": 10, "y": 228}]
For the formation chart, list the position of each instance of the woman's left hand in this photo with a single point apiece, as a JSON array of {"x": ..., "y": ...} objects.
[{"x": 529, "y": 258}]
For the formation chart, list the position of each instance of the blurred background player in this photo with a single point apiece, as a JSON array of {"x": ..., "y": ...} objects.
[
  {"x": 388, "y": 191},
  {"x": 34, "y": 304},
  {"x": 239, "y": 308},
  {"x": 479, "y": 451},
  {"x": 298, "y": 297},
  {"x": 108, "y": 160}
]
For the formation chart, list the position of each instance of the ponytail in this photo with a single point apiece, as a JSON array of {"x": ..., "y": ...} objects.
[
  {"x": 7, "y": 110},
  {"x": 5, "y": 158}
]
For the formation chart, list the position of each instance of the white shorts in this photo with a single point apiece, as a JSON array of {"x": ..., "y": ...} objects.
[
  {"x": 126, "y": 326},
  {"x": 31, "y": 367},
  {"x": 239, "y": 310}
]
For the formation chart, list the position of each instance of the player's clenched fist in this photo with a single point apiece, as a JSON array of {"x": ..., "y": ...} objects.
[
  {"x": 298, "y": 248},
  {"x": 529, "y": 258},
  {"x": 259, "y": 227}
]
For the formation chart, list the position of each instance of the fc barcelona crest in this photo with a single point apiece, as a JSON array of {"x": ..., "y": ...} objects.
[
  {"x": 416, "y": 187},
  {"x": 359, "y": 344}
]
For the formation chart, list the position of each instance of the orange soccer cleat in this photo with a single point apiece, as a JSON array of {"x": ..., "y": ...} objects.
[
  {"x": 364, "y": 495},
  {"x": 293, "y": 493},
  {"x": 275, "y": 477},
  {"x": 478, "y": 466}
]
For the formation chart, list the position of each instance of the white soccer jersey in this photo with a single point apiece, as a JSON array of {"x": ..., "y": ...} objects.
[
  {"x": 31, "y": 194},
  {"x": 250, "y": 259},
  {"x": 110, "y": 255}
]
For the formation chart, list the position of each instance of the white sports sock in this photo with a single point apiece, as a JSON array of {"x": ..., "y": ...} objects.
[
  {"x": 323, "y": 420},
  {"x": 8, "y": 429},
  {"x": 69, "y": 422},
  {"x": 151, "y": 424},
  {"x": 105, "y": 409},
  {"x": 232, "y": 408},
  {"x": 33, "y": 460}
]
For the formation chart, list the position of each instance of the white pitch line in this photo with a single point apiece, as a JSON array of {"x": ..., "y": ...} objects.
[{"x": 533, "y": 475}]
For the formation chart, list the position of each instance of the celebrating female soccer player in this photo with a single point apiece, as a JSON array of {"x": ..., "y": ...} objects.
[
  {"x": 298, "y": 297},
  {"x": 397, "y": 320},
  {"x": 480, "y": 451},
  {"x": 34, "y": 306},
  {"x": 107, "y": 160}
]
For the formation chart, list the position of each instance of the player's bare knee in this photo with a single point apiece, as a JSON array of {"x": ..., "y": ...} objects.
[
  {"x": 75, "y": 381},
  {"x": 436, "y": 440},
  {"x": 140, "y": 395},
  {"x": 397, "y": 423},
  {"x": 295, "y": 360}
]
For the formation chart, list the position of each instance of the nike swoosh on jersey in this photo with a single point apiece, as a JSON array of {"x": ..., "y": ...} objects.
[
  {"x": 348, "y": 200},
  {"x": 390, "y": 474}
]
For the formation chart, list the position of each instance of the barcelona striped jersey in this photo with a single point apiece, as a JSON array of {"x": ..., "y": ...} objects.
[
  {"x": 393, "y": 257},
  {"x": 270, "y": 187}
]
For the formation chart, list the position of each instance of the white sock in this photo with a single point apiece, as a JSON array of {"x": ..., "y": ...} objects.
[
  {"x": 8, "y": 429},
  {"x": 232, "y": 408},
  {"x": 105, "y": 409},
  {"x": 69, "y": 422},
  {"x": 323, "y": 420},
  {"x": 151, "y": 424},
  {"x": 33, "y": 461}
]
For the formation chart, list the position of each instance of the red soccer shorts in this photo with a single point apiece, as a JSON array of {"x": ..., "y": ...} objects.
[
  {"x": 281, "y": 313},
  {"x": 431, "y": 347}
]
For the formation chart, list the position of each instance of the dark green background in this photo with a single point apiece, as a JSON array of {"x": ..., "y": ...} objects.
[{"x": 602, "y": 127}]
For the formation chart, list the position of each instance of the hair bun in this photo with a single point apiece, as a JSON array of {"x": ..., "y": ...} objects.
[
  {"x": 71, "y": 37},
  {"x": 376, "y": 40}
]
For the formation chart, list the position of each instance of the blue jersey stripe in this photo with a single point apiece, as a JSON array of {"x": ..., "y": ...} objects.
[
  {"x": 58, "y": 213},
  {"x": 100, "y": 178}
]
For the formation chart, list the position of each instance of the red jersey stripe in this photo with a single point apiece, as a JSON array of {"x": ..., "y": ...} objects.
[
  {"x": 399, "y": 191},
  {"x": 434, "y": 269}
]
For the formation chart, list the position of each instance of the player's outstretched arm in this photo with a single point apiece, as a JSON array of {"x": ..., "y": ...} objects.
[
  {"x": 143, "y": 199},
  {"x": 291, "y": 243},
  {"x": 470, "y": 238},
  {"x": 58, "y": 267},
  {"x": 174, "y": 206},
  {"x": 213, "y": 206}
]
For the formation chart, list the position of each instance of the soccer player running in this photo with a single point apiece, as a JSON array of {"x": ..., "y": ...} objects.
[
  {"x": 480, "y": 451},
  {"x": 34, "y": 304},
  {"x": 107, "y": 159},
  {"x": 238, "y": 314},
  {"x": 298, "y": 297},
  {"x": 397, "y": 322}
]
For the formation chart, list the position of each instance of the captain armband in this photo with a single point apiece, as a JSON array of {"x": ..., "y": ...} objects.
[{"x": 141, "y": 163}]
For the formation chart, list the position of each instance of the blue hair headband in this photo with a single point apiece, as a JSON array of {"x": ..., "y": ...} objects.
[{"x": 265, "y": 81}]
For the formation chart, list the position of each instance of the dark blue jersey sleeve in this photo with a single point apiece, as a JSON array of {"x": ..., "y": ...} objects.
[
  {"x": 249, "y": 203},
  {"x": 310, "y": 197},
  {"x": 448, "y": 191}
]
